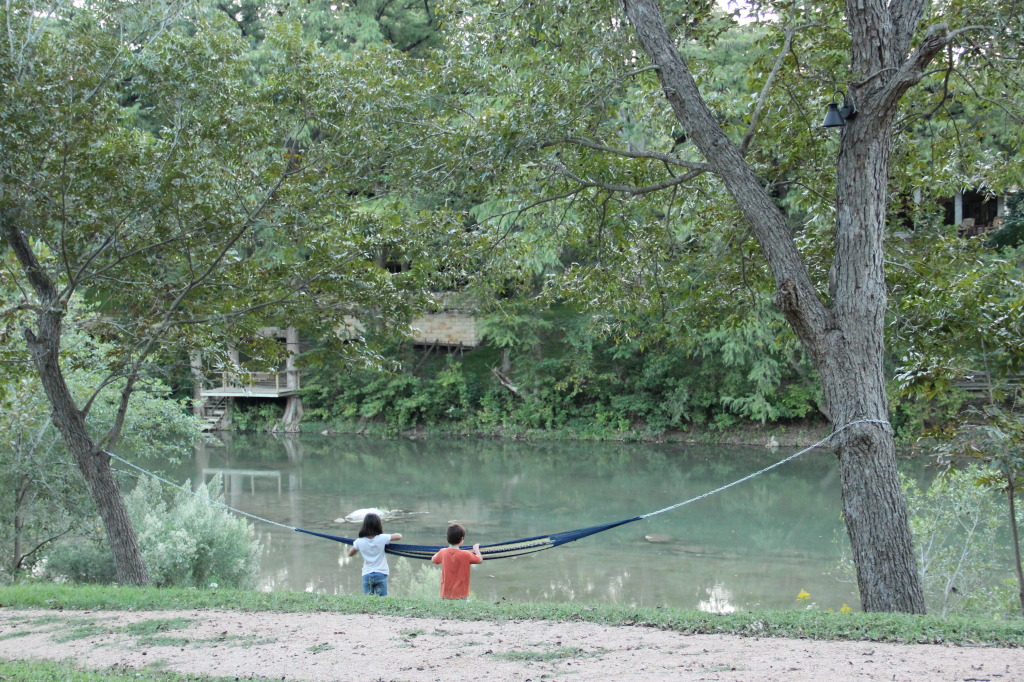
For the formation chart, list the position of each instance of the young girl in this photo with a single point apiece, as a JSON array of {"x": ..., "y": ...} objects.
[{"x": 370, "y": 542}]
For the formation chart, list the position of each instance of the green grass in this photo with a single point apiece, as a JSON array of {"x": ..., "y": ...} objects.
[
  {"x": 155, "y": 625},
  {"x": 880, "y": 627},
  {"x": 46, "y": 671},
  {"x": 543, "y": 655},
  {"x": 81, "y": 631},
  {"x": 320, "y": 648},
  {"x": 13, "y": 635}
]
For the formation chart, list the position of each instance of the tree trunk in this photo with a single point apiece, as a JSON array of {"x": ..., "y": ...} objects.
[
  {"x": 845, "y": 339},
  {"x": 1011, "y": 492},
  {"x": 874, "y": 508},
  {"x": 853, "y": 377},
  {"x": 93, "y": 463}
]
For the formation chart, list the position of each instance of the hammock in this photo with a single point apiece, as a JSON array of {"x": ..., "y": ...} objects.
[{"x": 499, "y": 550}]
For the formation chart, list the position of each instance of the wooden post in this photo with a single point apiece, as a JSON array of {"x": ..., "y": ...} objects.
[{"x": 196, "y": 362}]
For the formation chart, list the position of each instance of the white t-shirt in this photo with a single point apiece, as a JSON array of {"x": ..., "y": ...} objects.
[{"x": 372, "y": 549}]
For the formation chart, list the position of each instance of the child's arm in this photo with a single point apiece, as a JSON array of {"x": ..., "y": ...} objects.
[
  {"x": 353, "y": 551},
  {"x": 476, "y": 550},
  {"x": 395, "y": 537}
]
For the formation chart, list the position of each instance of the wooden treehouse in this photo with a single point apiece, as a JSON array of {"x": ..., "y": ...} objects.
[{"x": 216, "y": 391}]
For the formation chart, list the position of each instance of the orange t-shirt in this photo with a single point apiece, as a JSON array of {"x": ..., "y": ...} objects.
[{"x": 455, "y": 565}]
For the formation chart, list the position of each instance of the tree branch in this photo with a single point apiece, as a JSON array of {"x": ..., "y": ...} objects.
[
  {"x": 111, "y": 437},
  {"x": 655, "y": 156},
  {"x": 910, "y": 71},
  {"x": 630, "y": 189},
  {"x": 806, "y": 312},
  {"x": 42, "y": 544},
  {"x": 762, "y": 98}
]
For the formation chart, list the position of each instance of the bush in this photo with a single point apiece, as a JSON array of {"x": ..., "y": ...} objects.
[
  {"x": 961, "y": 550},
  {"x": 81, "y": 560},
  {"x": 420, "y": 582},
  {"x": 187, "y": 543},
  {"x": 193, "y": 543},
  {"x": 257, "y": 415}
]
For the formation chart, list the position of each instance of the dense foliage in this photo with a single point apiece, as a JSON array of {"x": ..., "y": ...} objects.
[
  {"x": 186, "y": 542},
  {"x": 565, "y": 379},
  {"x": 190, "y": 191}
]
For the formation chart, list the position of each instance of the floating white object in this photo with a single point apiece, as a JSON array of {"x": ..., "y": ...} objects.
[{"x": 359, "y": 514}]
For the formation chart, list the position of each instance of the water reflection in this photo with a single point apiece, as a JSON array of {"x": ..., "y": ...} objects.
[
  {"x": 756, "y": 545},
  {"x": 719, "y": 600}
]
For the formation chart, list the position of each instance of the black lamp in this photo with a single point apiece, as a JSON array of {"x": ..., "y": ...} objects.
[{"x": 837, "y": 115}]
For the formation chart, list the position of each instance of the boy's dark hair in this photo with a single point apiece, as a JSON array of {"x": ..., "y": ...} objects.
[
  {"x": 456, "y": 534},
  {"x": 372, "y": 526}
]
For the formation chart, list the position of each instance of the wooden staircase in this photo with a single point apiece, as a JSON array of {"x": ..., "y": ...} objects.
[{"x": 214, "y": 413}]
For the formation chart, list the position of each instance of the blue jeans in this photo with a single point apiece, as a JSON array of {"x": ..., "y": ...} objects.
[{"x": 375, "y": 583}]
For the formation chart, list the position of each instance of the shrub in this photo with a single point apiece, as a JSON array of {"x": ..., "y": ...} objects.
[
  {"x": 259, "y": 415},
  {"x": 193, "y": 543},
  {"x": 81, "y": 560},
  {"x": 420, "y": 582},
  {"x": 961, "y": 549},
  {"x": 186, "y": 541}
]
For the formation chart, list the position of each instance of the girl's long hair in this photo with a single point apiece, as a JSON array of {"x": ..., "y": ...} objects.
[{"x": 372, "y": 526}]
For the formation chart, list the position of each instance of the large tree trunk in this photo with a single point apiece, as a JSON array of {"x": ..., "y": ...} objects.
[
  {"x": 844, "y": 339},
  {"x": 851, "y": 357},
  {"x": 94, "y": 464}
]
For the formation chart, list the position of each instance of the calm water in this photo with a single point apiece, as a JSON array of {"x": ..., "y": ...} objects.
[{"x": 755, "y": 545}]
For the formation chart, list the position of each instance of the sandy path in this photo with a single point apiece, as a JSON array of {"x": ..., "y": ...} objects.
[{"x": 371, "y": 647}]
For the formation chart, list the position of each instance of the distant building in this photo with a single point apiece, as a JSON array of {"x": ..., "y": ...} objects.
[
  {"x": 216, "y": 390},
  {"x": 974, "y": 211}
]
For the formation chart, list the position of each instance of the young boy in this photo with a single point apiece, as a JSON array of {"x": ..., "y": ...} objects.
[{"x": 455, "y": 564}]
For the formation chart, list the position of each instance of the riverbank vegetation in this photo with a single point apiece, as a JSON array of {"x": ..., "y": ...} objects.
[{"x": 187, "y": 540}]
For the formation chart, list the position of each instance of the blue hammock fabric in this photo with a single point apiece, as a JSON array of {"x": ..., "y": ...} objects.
[{"x": 499, "y": 550}]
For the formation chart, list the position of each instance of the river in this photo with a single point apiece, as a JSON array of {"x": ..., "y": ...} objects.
[{"x": 759, "y": 544}]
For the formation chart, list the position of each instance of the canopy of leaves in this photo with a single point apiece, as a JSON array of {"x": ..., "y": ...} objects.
[{"x": 158, "y": 172}]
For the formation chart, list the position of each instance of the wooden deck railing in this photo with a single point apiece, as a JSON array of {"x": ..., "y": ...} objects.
[
  {"x": 980, "y": 382},
  {"x": 276, "y": 380}
]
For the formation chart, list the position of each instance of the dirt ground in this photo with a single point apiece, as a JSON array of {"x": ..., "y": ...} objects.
[{"x": 372, "y": 647}]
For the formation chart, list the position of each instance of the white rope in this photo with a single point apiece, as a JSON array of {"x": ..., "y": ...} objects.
[
  {"x": 767, "y": 468},
  {"x": 643, "y": 516},
  {"x": 197, "y": 495}
]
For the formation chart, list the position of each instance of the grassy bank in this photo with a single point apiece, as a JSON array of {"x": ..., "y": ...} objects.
[{"x": 813, "y": 624}]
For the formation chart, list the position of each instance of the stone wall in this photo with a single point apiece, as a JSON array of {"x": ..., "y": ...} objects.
[{"x": 446, "y": 329}]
